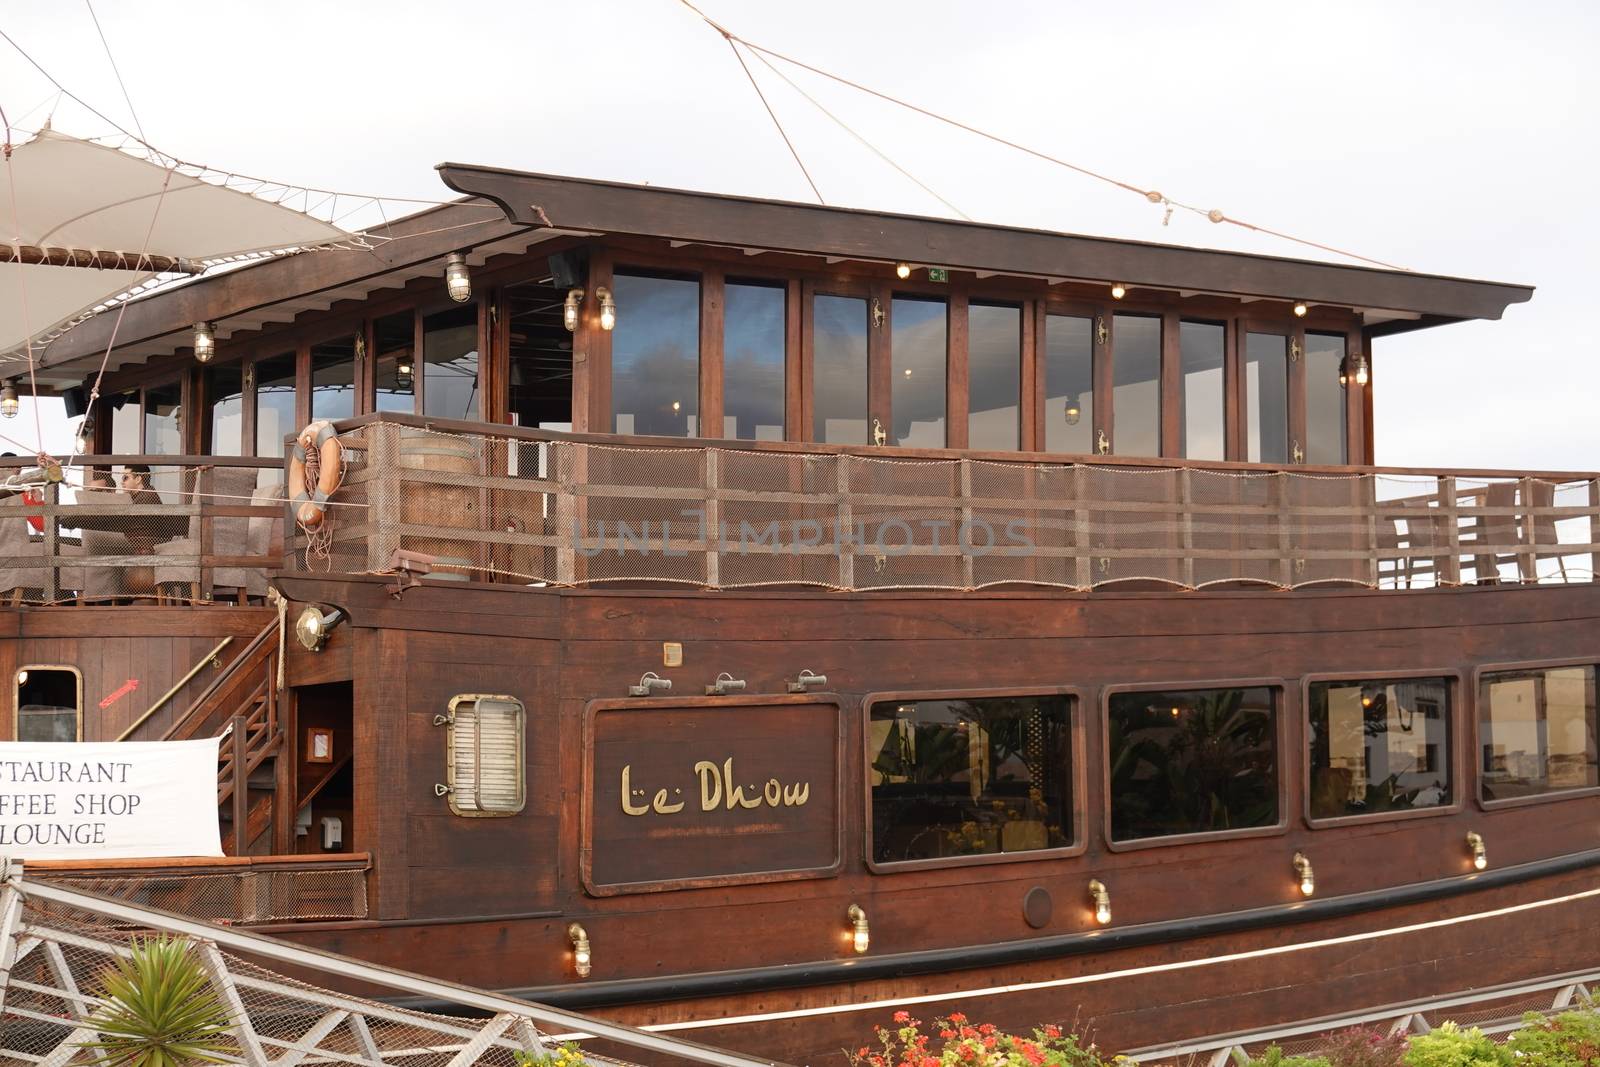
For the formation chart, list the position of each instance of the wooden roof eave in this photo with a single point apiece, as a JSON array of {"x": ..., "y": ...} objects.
[{"x": 782, "y": 226}]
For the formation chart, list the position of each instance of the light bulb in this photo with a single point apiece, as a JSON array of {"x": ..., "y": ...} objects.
[
  {"x": 404, "y": 370},
  {"x": 569, "y": 310},
  {"x": 1361, "y": 370},
  {"x": 1118, "y": 291},
  {"x": 1102, "y": 914},
  {"x": 80, "y": 444},
  {"x": 1102, "y": 901},
  {"x": 1308, "y": 877},
  {"x": 902, "y": 270},
  {"x": 1480, "y": 854},
  {"x": 860, "y": 933},
  {"x": 457, "y": 279},
  {"x": 205, "y": 341},
  {"x": 9, "y": 404},
  {"x": 582, "y": 960},
  {"x": 676, "y": 406},
  {"x": 608, "y": 308},
  {"x": 1300, "y": 309},
  {"x": 1074, "y": 410}
]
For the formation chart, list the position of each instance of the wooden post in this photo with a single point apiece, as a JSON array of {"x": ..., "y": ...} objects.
[
  {"x": 241, "y": 787},
  {"x": 1080, "y": 529},
  {"x": 846, "y": 528},
  {"x": 1186, "y": 510},
  {"x": 1285, "y": 550},
  {"x": 204, "y": 480},
  {"x": 712, "y": 516},
  {"x": 564, "y": 457},
  {"x": 1528, "y": 559},
  {"x": 967, "y": 577},
  {"x": 1450, "y": 573},
  {"x": 1594, "y": 529},
  {"x": 1370, "y": 503},
  {"x": 52, "y": 577}
]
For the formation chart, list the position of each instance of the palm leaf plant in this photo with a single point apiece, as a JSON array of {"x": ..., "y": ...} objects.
[{"x": 160, "y": 1010}]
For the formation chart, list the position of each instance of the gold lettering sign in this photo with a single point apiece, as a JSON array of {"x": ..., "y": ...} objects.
[{"x": 711, "y": 795}]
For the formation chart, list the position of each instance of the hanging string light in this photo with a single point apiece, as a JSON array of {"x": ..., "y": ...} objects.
[
  {"x": 205, "y": 341},
  {"x": 457, "y": 279}
]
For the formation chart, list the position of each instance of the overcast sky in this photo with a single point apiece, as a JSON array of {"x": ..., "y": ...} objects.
[{"x": 1448, "y": 137}]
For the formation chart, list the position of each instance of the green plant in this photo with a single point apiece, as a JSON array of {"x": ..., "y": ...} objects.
[
  {"x": 566, "y": 1054},
  {"x": 955, "y": 1042},
  {"x": 1274, "y": 1057},
  {"x": 1451, "y": 1046},
  {"x": 1571, "y": 1039},
  {"x": 160, "y": 1010}
]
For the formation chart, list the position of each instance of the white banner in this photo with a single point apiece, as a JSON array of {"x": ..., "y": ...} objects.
[{"x": 108, "y": 800}]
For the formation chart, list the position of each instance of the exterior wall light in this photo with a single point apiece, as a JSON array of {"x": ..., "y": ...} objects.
[
  {"x": 1101, "y": 897},
  {"x": 9, "y": 404},
  {"x": 725, "y": 684},
  {"x": 608, "y": 308},
  {"x": 569, "y": 310},
  {"x": 902, "y": 270},
  {"x": 1480, "y": 854},
  {"x": 457, "y": 279},
  {"x": 80, "y": 443},
  {"x": 806, "y": 680},
  {"x": 205, "y": 341},
  {"x": 582, "y": 960},
  {"x": 648, "y": 684},
  {"x": 1300, "y": 309},
  {"x": 860, "y": 933},
  {"x": 1074, "y": 409},
  {"x": 1303, "y": 871},
  {"x": 1118, "y": 290},
  {"x": 312, "y": 627}
]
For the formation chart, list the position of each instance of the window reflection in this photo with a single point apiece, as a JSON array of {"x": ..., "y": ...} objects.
[
  {"x": 1379, "y": 746},
  {"x": 994, "y": 376},
  {"x": 394, "y": 368},
  {"x": 163, "y": 419},
  {"x": 540, "y": 356},
  {"x": 333, "y": 378},
  {"x": 1325, "y": 403},
  {"x": 225, "y": 387},
  {"x": 916, "y": 393},
  {"x": 655, "y": 356},
  {"x": 1537, "y": 731},
  {"x": 1069, "y": 384},
  {"x": 1200, "y": 347},
  {"x": 969, "y": 777},
  {"x": 753, "y": 340},
  {"x": 1192, "y": 761},
  {"x": 1136, "y": 385},
  {"x": 1266, "y": 405},
  {"x": 127, "y": 424},
  {"x": 47, "y": 700},
  {"x": 450, "y": 363},
  {"x": 274, "y": 403},
  {"x": 839, "y": 370}
]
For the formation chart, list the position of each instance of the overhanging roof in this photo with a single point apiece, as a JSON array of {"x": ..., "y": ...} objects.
[{"x": 1409, "y": 299}]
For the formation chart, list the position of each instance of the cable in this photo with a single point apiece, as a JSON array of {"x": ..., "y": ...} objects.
[
  {"x": 1153, "y": 196},
  {"x": 774, "y": 116},
  {"x": 120, "y": 83}
]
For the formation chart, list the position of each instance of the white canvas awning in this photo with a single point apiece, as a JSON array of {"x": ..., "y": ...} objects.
[{"x": 75, "y": 194}]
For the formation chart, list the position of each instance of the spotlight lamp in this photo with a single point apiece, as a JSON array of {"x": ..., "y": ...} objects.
[
  {"x": 9, "y": 404},
  {"x": 312, "y": 627},
  {"x": 205, "y": 341},
  {"x": 1074, "y": 409},
  {"x": 1480, "y": 854},
  {"x": 569, "y": 310},
  {"x": 902, "y": 270},
  {"x": 1118, "y": 290},
  {"x": 806, "y": 680},
  {"x": 582, "y": 959},
  {"x": 1100, "y": 896},
  {"x": 725, "y": 684},
  {"x": 457, "y": 279},
  {"x": 649, "y": 684},
  {"x": 1300, "y": 309},
  {"x": 1303, "y": 871},
  {"x": 860, "y": 933},
  {"x": 608, "y": 308}
]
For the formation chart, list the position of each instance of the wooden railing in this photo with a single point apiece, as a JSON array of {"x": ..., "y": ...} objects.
[
  {"x": 466, "y": 500},
  {"x": 206, "y": 527}
]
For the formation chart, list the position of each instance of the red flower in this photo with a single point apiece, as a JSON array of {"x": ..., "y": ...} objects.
[
  {"x": 986, "y": 1028},
  {"x": 863, "y": 1051},
  {"x": 1031, "y": 1053},
  {"x": 988, "y": 1042},
  {"x": 947, "y": 1034},
  {"x": 967, "y": 1031},
  {"x": 957, "y": 1017},
  {"x": 902, "y": 1016},
  {"x": 1052, "y": 1030}
]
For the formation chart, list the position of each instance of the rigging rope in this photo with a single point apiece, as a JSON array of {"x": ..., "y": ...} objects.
[{"x": 774, "y": 116}]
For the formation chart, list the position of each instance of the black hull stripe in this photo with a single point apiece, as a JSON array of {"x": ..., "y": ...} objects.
[{"x": 585, "y": 996}]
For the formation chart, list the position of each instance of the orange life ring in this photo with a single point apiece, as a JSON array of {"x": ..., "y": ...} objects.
[{"x": 308, "y": 502}]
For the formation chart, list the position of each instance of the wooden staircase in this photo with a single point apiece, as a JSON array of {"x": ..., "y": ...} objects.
[{"x": 241, "y": 707}]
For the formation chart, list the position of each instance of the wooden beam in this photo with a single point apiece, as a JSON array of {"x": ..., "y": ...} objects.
[{"x": 96, "y": 259}]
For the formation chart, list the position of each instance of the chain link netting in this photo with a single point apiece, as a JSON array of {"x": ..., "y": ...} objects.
[
  {"x": 487, "y": 507},
  {"x": 238, "y": 897}
]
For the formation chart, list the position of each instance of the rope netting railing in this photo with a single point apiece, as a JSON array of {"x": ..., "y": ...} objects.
[
  {"x": 550, "y": 509},
  {"x": 254, "y": 894},
  {"x": 174, "y": 529}
]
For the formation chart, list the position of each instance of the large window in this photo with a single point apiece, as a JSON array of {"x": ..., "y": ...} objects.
[
  {"x": 1379, "y": 745},
  {"x": 274, "y": 403},
  {"x": 994, "y": 377},
  {"x": 655, "y": 356},
  {"x": 969, "y": 777},
  {"x": 753, "y": 340},
  {"x": 225, "y": 389},
  {"x": 1266, "y": 403},
  {"x": 333, "y": 377},
  {"x": 1192, "y": 761},
  {"x": 394, "y": 369},
  {"x": 163, "y": 419},
  {"x": 1069, "y": 384},
  {"x": 1537, "y": 731},
  {"x": 450, "y": 363},
  {"x": 916, "y": 391},
  {"x": 1325, "y": 405},
  {"x": 1200, "y": 347},
  {"x": 1136, "y": 385},
  {"x": 49, "y": 702},
  {"x": 839, "y": 370}
]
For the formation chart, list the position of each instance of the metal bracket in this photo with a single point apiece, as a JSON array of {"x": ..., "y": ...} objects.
[
  {"x": 879, "y": 436},
  {"x": 1297, "y": 454},
  {"x": 1102, "y": 443},
  {"x": 1101, "y": 334},
  {"x": 877, "y": 314},
  {"x": 441, "y": 790},
  {"x": 1294, "y": 350}
]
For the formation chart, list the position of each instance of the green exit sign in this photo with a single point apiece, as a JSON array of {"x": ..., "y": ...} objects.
[{"x": 938, "y": 274}]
